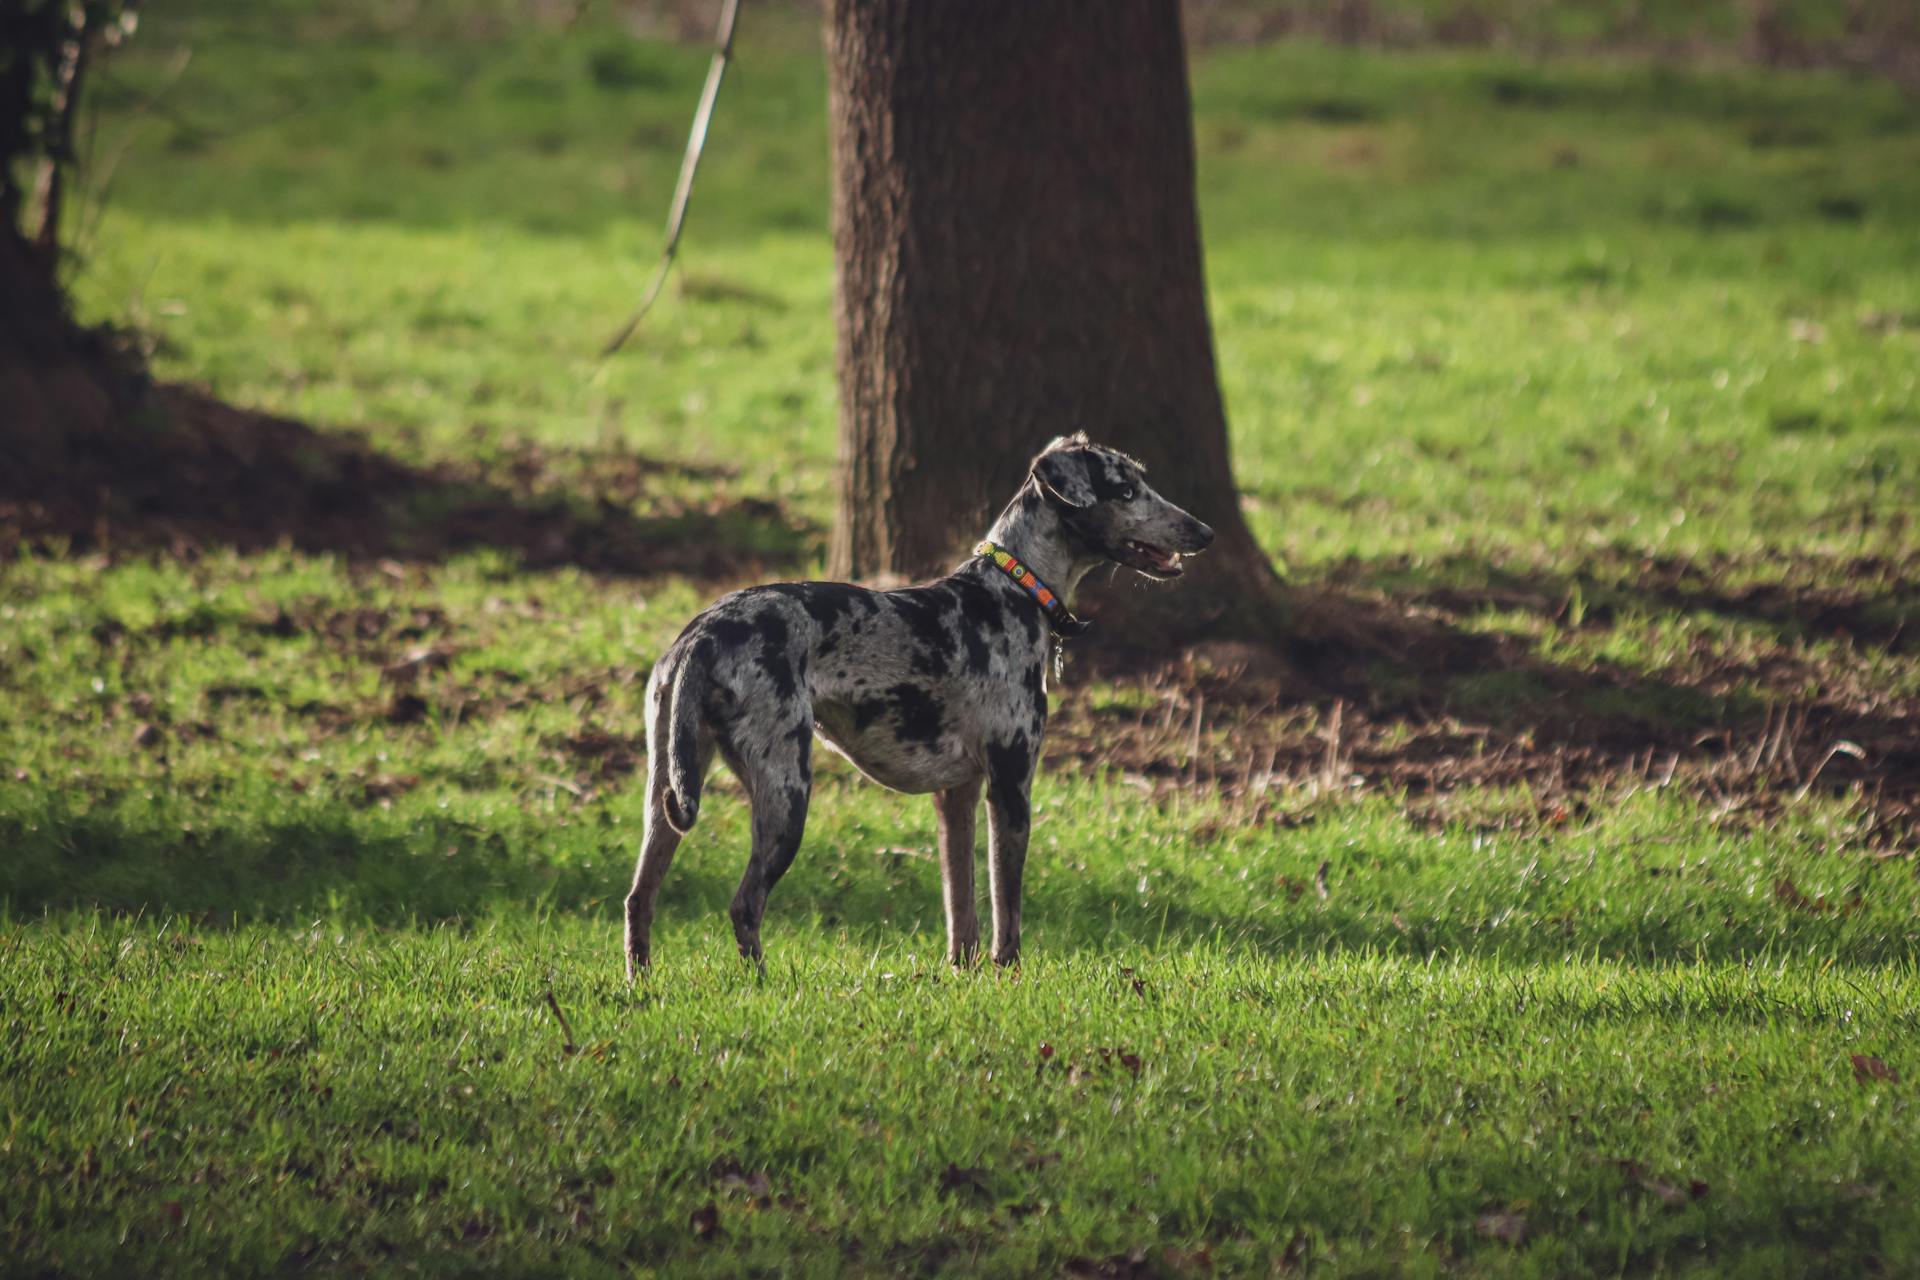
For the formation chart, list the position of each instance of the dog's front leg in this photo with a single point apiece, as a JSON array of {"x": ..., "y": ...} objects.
[
  {"x": 1009, "y": 818},
  {"x": 957, "y": 810}
]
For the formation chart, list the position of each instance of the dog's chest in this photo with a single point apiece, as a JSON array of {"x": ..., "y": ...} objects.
[
  {"x": 919, "y": 732},
  {"x": 884, "y": 756},
  {"x": 924, "y": 735}
]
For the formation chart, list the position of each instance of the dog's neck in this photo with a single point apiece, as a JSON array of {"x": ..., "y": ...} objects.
[{"x": 1034, "y": 532}]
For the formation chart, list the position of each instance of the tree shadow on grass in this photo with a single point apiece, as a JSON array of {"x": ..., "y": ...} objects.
[
  {"x": 1776, "y": 706},
  {"x": 1730, "y": 929},
  {"x": 191, "y": 472},
  {"x": 324, "y": 863},
  {"x": 1871, "y": 601},
  {"x": 1397, "y": 678}
]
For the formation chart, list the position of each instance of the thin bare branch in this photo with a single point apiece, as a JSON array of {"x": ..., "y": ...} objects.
[{"x": 689, "y": 165}]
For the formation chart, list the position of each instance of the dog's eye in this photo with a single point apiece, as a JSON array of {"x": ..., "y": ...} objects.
[{"x": 1126, "y": 493}]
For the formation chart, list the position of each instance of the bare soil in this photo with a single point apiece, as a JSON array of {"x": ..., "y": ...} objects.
[
  {"x": 1401, "y": 693},
  {"x": 187, "y": 472}
]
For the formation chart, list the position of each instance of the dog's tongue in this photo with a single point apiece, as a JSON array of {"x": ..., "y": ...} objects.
[{"x": 1163, "y": 559}]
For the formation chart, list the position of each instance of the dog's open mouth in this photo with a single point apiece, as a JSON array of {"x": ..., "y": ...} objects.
[{"x": 1150, "y": 560}]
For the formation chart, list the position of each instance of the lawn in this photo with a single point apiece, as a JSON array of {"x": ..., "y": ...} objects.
[{"x": 1561, "y": 917}]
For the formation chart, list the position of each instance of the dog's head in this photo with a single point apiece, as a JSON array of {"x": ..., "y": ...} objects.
[{"x": 1104, "y": 500}]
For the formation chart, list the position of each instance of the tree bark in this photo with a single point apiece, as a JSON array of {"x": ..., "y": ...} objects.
[
  {"x": 1018, "y": 254},
  {"x": 51, "y": 185},
  {"x": 52, "y": 391},
  {"x": 60, "y": 385}
]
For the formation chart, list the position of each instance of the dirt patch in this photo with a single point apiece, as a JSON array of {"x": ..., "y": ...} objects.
[
  {"x": 189, "y": 473},
  {"x": 1399, "y": 693}
]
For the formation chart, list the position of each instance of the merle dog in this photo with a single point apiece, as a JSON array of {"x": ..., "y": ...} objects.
[{"x": 936, "y": 688}]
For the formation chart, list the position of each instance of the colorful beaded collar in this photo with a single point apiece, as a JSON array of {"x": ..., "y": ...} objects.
[{"x": 1059, "y": 617}]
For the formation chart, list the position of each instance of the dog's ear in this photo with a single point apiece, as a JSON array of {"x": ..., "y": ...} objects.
[{"x": 1061, "y": 473}]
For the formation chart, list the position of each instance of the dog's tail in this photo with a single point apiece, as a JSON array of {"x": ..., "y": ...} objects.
[{"x": 683, "y": 694}]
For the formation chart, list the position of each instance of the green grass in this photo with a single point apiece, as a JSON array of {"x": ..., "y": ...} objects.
[
  {"x": 1572, "y": 1032},
  {"x": 1611, "y": 365},
  {"x": 323, "y": 1097}
]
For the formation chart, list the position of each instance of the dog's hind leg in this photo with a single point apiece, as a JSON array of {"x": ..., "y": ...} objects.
[
  {"x": 656, "y": 855},
  {"x": 779, "y": 780},
  {"x": 659, "y": 840},
  {"x": 957, "y": 810}
]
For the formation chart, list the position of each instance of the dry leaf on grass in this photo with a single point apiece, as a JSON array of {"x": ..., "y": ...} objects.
[{"x": 1867, "y": 1068}]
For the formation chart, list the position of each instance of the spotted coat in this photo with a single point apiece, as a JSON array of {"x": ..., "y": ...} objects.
[{"x": 938, "y": 688}]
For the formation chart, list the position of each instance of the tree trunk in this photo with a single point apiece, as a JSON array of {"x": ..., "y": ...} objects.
[
  {"x": 1018, "y": 255},
  {"x": 51, "y": 389}
]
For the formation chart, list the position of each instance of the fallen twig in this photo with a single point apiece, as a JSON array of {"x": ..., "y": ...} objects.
[{"x": 566, "y": 1029}]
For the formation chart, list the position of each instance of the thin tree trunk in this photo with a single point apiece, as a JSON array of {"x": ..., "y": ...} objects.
[
  {"x": 49, "y": 393},
  {"x": 50, "y": 186},
  {"x": 1019, "y": 256}
]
